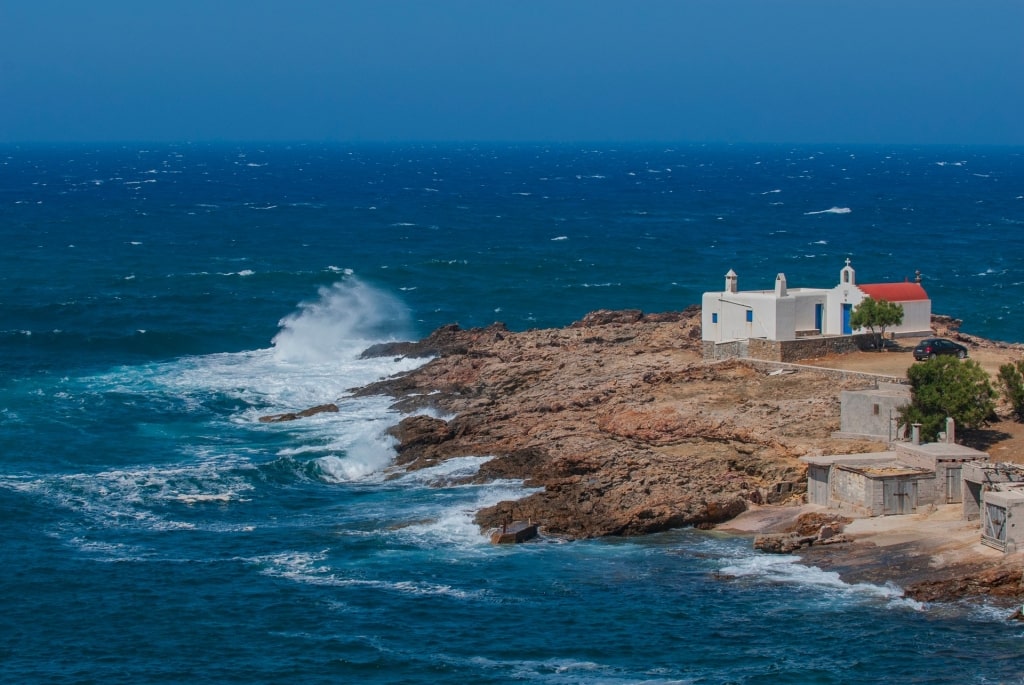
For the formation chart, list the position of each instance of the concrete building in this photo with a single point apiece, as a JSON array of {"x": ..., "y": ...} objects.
[
  {"x": 982, "y": 477},
  {"x": 784, "y": 313},
  {"x": 874, "y": 484},
  {"x": 894, "y": 482},
  {"x": 946, "y": 460},
  {"x": 872, "y": 414},
  {"x": 994, "y": 493},
  {"x": 1003, "y": 509}
]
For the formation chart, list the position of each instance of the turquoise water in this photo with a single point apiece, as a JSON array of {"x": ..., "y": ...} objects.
[{"x": 155, "y": 301}]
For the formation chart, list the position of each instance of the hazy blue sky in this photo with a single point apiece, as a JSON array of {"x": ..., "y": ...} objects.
[{"x": 853, "y": 71}]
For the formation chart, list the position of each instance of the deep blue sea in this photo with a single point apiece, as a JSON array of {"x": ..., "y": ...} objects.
[{"x": 155, "y": 300}]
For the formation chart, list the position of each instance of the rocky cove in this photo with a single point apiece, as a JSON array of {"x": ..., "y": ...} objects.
[{"x": 624, "y": 429}]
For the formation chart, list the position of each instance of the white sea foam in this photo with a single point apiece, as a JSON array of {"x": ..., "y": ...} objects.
[
  {"x": 134, "y": 497},
  {"x": 364, "y": 456},
  {"x": 561, "y": 237},
  {"x": 313, "y": 569},
  {"x": 831, "y": 210},
  {"x": 454, "y": 525},
  {"x": 787, "y": 569},
  {"x": 447, "y": 471}
]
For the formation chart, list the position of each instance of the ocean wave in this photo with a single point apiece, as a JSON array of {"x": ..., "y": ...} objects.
[
  {"x": 787, "y": 569},
  {"x": 348, "y": 317},
  {"x": 311, "y": 568},
  {"x": 113, "y": 499},
  {"x": 831, "y": 210}
]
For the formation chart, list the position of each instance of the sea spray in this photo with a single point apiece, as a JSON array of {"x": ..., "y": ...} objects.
[{"x": 347, "y": 318}]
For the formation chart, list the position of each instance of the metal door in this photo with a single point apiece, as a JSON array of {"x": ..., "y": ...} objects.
[
  {"x": 847, "y": 309},
  {"x": 954, "y": 484}
]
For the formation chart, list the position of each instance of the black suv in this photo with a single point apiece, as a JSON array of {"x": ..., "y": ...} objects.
[{"x": 930, "y": 348}]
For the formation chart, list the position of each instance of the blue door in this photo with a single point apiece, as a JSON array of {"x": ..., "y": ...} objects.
[
  {"x": 819, "y": 312},
  {"x": 847, "y": 308}
]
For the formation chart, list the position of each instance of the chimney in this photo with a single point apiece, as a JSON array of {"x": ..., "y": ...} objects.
[
  {"x": 730, "y": 281},
  {"x": 915, "y": 434},
  {"x": 780, "y": 285},
  {"x": 950, "y": 430}
]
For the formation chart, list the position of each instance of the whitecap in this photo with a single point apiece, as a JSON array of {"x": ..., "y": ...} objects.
[
  {"x": 831, "y": 210},
  {"x": 560, "y": 237}
]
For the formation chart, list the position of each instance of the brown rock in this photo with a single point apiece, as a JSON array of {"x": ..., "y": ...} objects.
[
  {"x": 619, "y": 420},
  {"x": 292, "y": 416}
]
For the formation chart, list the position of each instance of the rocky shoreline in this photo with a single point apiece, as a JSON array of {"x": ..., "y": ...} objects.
[{"x": 625, "y": 430}]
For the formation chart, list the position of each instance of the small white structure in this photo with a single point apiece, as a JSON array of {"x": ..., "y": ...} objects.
[{"x": 785, "y": 313}]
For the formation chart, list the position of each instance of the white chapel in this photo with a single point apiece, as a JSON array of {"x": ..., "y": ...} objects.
[{"x": 785, "y": 313}]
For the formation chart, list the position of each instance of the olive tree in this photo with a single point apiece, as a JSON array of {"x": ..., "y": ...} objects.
[
  {"x": 876, "y": 316},
  {"x": 946, "y": 386}
]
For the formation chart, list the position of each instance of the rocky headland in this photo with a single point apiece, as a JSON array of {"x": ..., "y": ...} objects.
[{"x": 624, "y": 429}]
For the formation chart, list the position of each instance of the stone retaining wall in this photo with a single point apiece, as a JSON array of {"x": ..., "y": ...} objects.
[{"x": 804, "y": 348}]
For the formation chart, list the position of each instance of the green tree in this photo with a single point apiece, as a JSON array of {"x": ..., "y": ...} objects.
[
  {"x": 1011, "y": 377},
  {"x": 876, "y": 316},
  {"x": 946, "y": 386}
]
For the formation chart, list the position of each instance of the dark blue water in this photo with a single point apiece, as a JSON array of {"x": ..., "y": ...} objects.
[{"x": 155, "y": 301}]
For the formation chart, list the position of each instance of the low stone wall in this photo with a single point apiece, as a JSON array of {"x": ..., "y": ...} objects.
[
  {"x": 838, "y": 374},
  {"x": 804, "y": 348},
  {"x": 726, "y": 350}
]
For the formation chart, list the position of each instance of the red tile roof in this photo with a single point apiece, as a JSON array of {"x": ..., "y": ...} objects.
[{"x": 894, "y": 292}]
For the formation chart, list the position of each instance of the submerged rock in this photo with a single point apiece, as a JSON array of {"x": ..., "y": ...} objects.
[{"x": 292, "y": 416}]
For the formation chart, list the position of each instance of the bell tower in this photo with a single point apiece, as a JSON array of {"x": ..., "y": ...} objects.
[{"x": 848, "y": 276}]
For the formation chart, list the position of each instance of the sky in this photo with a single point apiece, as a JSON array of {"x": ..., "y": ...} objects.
[{"x": 733, "y": 71}]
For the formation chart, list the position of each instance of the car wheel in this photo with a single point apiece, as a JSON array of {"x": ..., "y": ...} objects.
[
  {"x": 931, "y": 356},
  {"x": 961, "y": 354}
]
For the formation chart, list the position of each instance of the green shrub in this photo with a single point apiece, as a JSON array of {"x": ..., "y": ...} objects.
[
  {"x": 1011, "y": 377},
  {"x": 946, "y": 386}
]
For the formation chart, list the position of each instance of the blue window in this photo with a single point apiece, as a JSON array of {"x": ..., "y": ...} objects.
[
  {"x": 750, "y": 315},
  {"x": 714, "y": 317}
]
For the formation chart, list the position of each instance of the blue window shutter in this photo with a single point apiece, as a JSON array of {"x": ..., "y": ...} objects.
[
  {"x": 750, "y": 315},
  {"x": 714, "y": 317}
]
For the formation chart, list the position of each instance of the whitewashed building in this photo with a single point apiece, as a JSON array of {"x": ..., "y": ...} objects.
[{"x": 785, "y": 313}]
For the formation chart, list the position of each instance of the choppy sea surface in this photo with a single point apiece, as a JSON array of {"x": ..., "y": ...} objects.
[{"x": 155, "y": 300}]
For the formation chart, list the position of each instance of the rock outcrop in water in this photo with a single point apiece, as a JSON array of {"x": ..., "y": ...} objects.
[{"x": 616, "y": 419}]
